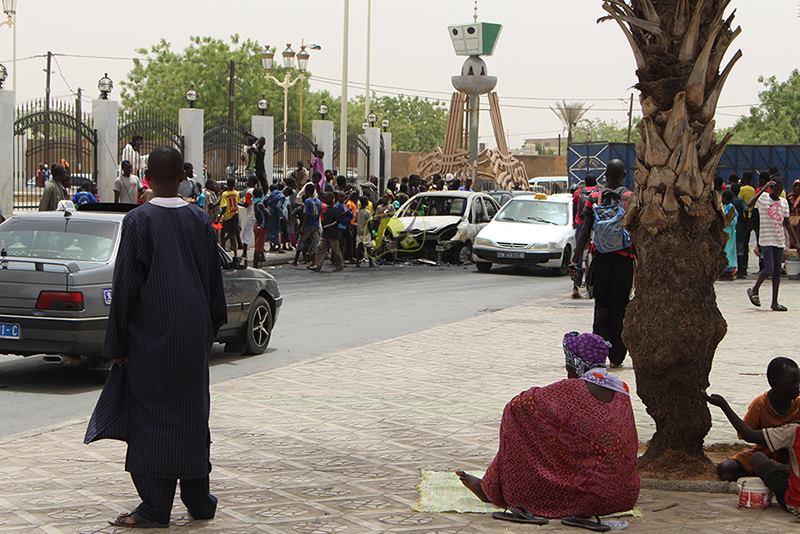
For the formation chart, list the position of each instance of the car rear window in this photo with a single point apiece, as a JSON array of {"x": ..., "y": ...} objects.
[{"x": 59, "y": 239}]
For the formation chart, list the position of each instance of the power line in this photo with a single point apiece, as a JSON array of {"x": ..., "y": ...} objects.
[{"x": 400, "y": 91}]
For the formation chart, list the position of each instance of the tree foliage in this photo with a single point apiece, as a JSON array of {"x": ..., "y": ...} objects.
[
  {"x": 776, "y": 121},
  {"x": 570, "y": 114},
  {"x": 159, "y": 81},
  {"x": 604, "y": 130}
]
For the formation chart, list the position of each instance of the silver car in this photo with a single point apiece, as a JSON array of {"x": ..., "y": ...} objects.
[{"x": 56, "y": 271}]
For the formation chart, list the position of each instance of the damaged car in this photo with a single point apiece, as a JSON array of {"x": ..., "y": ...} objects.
[{"x": 442, "y": 225}]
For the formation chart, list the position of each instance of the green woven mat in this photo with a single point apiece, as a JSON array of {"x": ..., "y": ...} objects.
[{"x": 444, "y": 492}]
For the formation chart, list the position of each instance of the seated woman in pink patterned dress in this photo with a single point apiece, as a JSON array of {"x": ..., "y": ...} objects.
[{"x": 567, "y": 450}]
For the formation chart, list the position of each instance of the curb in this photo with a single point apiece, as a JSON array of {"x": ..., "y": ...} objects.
[{"x": 691, "y": 486}]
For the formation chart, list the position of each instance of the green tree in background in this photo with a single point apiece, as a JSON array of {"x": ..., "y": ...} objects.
[
  {"x": 159, "y": 81},
  {"x": 604, "y": 130},
  {"x": 777, "y": 120}
]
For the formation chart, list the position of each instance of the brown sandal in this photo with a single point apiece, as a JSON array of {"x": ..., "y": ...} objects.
[{"x": 138, "y": 522}]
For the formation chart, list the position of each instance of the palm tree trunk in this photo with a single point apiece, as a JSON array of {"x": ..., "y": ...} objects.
[{"x": 673, "y": 325}]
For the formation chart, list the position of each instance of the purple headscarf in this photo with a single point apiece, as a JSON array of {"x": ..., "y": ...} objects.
[{"x": 585, "y": 352}]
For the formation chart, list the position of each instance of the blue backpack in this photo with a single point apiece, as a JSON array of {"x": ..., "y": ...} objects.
[{"x": 609, "y": 234}]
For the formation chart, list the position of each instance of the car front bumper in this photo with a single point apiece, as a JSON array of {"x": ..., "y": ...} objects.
[
  {"x": 55, "y": 336},
  {"x": 524, "y": 258}
]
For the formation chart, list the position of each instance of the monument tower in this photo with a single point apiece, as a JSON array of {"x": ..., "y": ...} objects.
[{"x": 460, "y": 155}]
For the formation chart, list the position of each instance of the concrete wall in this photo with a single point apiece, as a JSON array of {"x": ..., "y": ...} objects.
[{"x": 405, "y": 163}]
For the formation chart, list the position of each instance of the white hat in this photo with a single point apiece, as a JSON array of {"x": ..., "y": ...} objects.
[{"x": 449, "y": 177}]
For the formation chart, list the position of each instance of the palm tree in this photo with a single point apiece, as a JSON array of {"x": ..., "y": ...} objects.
[
  {"x": 570, "y": 114},
  {"x": 673, "y": 325}
]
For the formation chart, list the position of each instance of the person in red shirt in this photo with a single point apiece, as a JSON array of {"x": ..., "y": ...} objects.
[
  {"x": 579, "y": 199},
  {"x": 783, "y": 480},
  {"x": 611, "y": 272}
]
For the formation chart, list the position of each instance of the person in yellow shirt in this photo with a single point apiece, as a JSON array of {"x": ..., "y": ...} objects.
[
  {"x": 749, "y": 221},
  {"x": 229, "y": 204}
]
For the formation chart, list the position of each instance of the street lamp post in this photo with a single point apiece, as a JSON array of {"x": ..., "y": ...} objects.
[
  {"x": 10, "y": 10},
  {"x": 263, "y": 105},
  {"x": 105, "y": 85},
  {"x": 191, "y": 96},
  {"x": 267, "y": 62}
]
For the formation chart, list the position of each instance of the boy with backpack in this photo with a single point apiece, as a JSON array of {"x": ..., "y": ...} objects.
[{"x": 611, "y": 271}]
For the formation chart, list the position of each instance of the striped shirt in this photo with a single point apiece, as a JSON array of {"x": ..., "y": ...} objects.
[{"x": 772, "y": 213}]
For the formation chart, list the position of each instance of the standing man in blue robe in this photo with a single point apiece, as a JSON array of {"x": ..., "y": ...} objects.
[{"x": 168, "y": 303}]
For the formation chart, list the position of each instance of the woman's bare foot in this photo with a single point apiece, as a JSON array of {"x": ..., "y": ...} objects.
[{"x": 473, "y": 484}]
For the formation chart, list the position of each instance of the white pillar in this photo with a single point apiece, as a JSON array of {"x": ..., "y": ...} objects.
[
  {"x": 373, "y": 138},
  {"x": 387, "y": 164},
  {"x": 106, "y": 122},
  {"x": 190, "y": 123},
  {"x": 263, "y": 126},
  {"x": 7, "y": 152},
  {"x": 322, "y": 135}
]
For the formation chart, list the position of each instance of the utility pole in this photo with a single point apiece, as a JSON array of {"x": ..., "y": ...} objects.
[
  {"x": 47, "y": 107},
  {"x": 231, "y": 101},
  {"x": 231, "y": 91},
  {"x": 369, "y": 58},
  {"x": 343, "y": 124},
  {"x": 630, "y": 120},
  {"x": 78, "y": 142}
]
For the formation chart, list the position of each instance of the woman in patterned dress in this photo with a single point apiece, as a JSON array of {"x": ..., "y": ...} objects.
[{"x": 567, "y": 450}]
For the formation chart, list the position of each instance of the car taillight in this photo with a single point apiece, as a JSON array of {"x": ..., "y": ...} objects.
[{"x": 60, "y": 301}]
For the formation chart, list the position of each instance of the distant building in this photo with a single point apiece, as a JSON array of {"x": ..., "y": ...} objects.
[{"x": 539, "y": 147}]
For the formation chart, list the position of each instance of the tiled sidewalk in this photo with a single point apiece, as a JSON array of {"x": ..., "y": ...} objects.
[{"x": 335, "y": 445}]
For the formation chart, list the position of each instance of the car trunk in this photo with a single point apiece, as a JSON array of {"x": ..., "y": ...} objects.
[{"x": 21, "y": 283}]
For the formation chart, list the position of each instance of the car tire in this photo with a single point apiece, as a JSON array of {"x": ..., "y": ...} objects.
[
  {"x": 465, "y": 254},
  {"x": 566, "y": 258},
  {"x": 483, "y": 267},
  {"x": 258, "y": 328}
]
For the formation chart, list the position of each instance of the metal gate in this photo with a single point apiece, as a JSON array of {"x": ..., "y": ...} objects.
[
  {"x": 44, "y": 135},
  {"x": 154, "y": 129},
  {"x": 357, "y": 159},
  {"x": 225, "y": 153},
  {"x": 299, "y": 148}
]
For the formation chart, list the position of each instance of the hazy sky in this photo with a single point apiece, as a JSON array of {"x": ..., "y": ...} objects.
[{"x": 548, "y": 49}]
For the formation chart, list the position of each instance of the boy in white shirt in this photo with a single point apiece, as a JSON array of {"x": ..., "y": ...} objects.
[
  {"x": 126, "y": 186},
  {"x": 249, "y": 223},
  {"x": 773, "y": 219}
]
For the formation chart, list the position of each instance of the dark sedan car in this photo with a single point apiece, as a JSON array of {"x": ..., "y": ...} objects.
[{"x": 56, "y": 271}]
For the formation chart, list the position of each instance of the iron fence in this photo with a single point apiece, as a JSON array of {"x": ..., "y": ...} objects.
[
  {"x": 153, "y": 128},
  {"x": 357, "y": 158},
  {"x": 299, "y": 148},
  {"x": 225, "y": 153},
  {"x": 49, "y": 133}
]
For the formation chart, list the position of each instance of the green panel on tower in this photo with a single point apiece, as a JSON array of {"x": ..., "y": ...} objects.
[{"x": 491, "y": 33}]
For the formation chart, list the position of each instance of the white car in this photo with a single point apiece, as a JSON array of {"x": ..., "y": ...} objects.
[
  {"x": 532, "y": 230},
  {"x": 445, "y": 223},
  {"x": 549, "y": 185}
]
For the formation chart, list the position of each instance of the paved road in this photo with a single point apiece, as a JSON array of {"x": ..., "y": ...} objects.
[{"x": 322, "y": 313}]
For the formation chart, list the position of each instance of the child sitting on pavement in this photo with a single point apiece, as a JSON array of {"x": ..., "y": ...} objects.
[
  {"x": 777, "y": 407},
  {"x": 783, "y": 480}
]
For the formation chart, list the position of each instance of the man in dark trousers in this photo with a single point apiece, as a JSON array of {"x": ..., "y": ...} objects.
[
  {"x": 167, "y": 276},
  {"x": 611, "y": 271}
]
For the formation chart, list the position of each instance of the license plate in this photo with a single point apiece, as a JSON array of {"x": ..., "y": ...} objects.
[
  {"x": 511, "y": 255},
  {"x": 10, "y": 331},
  {"x": 442, "y": 248}
]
